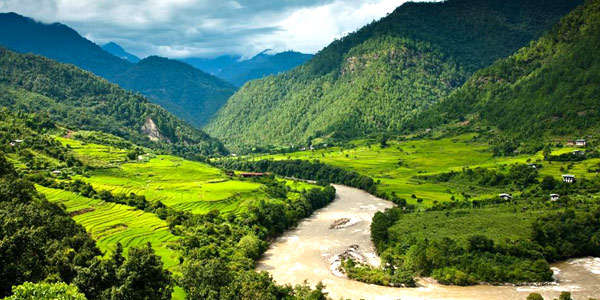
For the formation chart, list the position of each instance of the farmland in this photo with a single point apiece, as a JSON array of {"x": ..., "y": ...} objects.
[{"x": 399, "y": 165}]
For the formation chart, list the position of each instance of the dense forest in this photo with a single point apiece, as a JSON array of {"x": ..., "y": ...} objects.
[
  {"x": 186, "y": 92},
  {"x": 181, "y": 89},
  {"x": 79, "y": 100},
  {"x": 383, "y": 74},
  {"x": 549, "y": 88}
]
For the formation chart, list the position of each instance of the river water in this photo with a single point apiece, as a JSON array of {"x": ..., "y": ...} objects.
[{"x": 309, "y": 253}]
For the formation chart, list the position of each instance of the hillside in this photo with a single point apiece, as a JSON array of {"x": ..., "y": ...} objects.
[
  {"x": 551, "y": 87},
  {"x": 185, "y": 96},
  {"x": 238, "y": 72},
  {"x": 118, "y": 51},
  {"x": 79, "y": 100},
  {"x": 183, "y": 90},
  {"x": 374, "y": 79}
]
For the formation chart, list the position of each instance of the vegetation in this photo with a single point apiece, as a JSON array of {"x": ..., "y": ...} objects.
[
  {"x": 46, "y": 291},
  {"x": 187, "y": 92},
  {"x": 375, "y": 79},
  {"x": 80, "y": 100},
  {"x": 549, "y": 88}
]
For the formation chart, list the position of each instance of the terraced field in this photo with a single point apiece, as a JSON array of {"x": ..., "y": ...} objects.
[
  {"x": 94, "y": 155},
  {"x": 178, "y": 183},
  {"x": 397, "y": 165},
  {"x": 110, "y": 223}
]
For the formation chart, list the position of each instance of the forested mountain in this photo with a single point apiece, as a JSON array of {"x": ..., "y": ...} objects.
[
  {"x": 238, "y": 72},
  {"x": 196, "y": 90},
  {"x": 81, "y": 100},
  {"x": 118, "y": 51},
  {"x": 183, "y": 90},
  {"x": 551, "y": 87},
  {"x": 388, "y": 71}
]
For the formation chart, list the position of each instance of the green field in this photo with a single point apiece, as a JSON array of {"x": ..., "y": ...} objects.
[
  {"x": 94, "y": 155},
  {"x": 398, "y": 165},
  {"x": 111, "y": 223}
]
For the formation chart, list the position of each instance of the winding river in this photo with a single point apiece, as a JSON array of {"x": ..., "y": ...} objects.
[{"x": 310, "y": 252}]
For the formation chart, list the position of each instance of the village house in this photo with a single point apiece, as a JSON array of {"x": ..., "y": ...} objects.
[
  {"x": 568, "y": 178},
  {"x": 246, "y": 175},
  {"x": 505, "y": 197},
  {"x": 571, "y": 143},
  {"x": 533, "y": 166},
  {"x": 56, "y": 172},
  {"x": 554, "y": 197},
  {"x": 578, "y": 152},
  {"x": 581, "y": 143}
]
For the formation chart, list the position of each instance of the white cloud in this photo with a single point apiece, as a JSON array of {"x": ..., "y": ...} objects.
[{"x": 178, "y": 28}]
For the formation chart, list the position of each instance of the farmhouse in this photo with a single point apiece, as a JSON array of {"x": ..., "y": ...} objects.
[
  {"x": 570, "y": 143},
  {"x": 581, "y": 143},
  {"x": 246, "y": 175},
  {"x": 505, "y": 196},
  {"x": 554, "y": 197},
  {"x": 56, "y": 172},
  {"x": 578, "y": 152},
  {"x": 533, "y": 166},
  {"x": 568, "y": 178}
]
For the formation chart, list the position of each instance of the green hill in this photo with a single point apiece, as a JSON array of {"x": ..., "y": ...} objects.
[
  {"x": 187, "y": 92},
  {"x": 80, "y": 100},
  {"x": 178, "y": 88},
  {"x": 551, "y": 87},
  {"x": 390, "y": 70}
]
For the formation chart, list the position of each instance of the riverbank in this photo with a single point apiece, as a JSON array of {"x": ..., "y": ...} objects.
[{"x": 309, "y": 253}]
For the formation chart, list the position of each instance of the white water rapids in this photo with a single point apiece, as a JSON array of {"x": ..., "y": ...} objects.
[{"x": 309, "y": 252}]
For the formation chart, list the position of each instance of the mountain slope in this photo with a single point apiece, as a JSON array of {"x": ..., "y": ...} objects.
[
  {"x": 551, "y": 87},
  {"x": 59, "y": 42},
  {"x": 80, "y": 100},
  {"x": 118, "y": 51},
  {"x": 177, "y": 88},
  {"x": 238, "y": 72},
  {"x": 372, "y": 80}
]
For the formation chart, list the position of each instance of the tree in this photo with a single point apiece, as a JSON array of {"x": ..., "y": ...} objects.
[
  {"x": 535, "y": 296},
  {"x": 548, "y": 183},
  {"x": 46, "y": 291},
  {"x": 205, "y": 279}
]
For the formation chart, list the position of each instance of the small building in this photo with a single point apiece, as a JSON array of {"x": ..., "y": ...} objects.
[
  {"x": 13, "y": 144},
  {"x": 246, "y": 175},
  {"x": 533, "y": 166},
  {"x": 56, "y": 172},
  {"x": 581, "y": 143},
  {"x": 570, "y": 143},
  {"x": 568, "y": 178},
  {"x": 505, "y": 196},
  {"x": 554, "y": 197},
  {"x": 18, "y": 141},
  {"x": 579, "y": 152}
]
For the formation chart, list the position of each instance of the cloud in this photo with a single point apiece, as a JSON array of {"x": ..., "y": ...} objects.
[{"x": 183, "y": 28}]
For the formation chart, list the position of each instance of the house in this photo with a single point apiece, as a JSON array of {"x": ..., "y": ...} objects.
[
  {"x": 581, "y": 143},
  {"x": 533, "y": 166},
  {"x": 56, "y": 172},
  {"x": 13, "y": 144},
  {"x": 312, "y": 147},
  {"x": 246, "y": 175},
  {"x": 578, "y": 152},
  {"x": 571, "y": 143},
  {"x": 568, "y": 178},
  {"x": 554, "y": 197},
  {"x": 505, "y": 196},
  {"x": 18, "y": 141}
]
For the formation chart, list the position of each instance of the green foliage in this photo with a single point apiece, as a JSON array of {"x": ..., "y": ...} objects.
[
  {"x": 80, "y": 100},
  {"x": 377, "y": 78},
  {"x": 549, "y": 88},
  {"x": 46, "y": 291},
  {"x": 181, "y": 89}
]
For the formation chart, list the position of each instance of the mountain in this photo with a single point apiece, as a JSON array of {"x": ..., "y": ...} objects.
[
  {"x": 374, "y": 79},
  {"x": 550, "y": 88},
  {"x": 118, "y": 51},
  {"x": 61, "y": 43},
  {"x": 177, "y": 87},
  {"x": 238, "y": 72},
  {"x": 80, "y": 100}
]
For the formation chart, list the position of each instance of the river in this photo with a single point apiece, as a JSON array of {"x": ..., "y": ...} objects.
[{"x": 309, "y": 252}]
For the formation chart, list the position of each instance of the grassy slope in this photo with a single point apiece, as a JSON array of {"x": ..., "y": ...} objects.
[{"x": 422, "y": 157}]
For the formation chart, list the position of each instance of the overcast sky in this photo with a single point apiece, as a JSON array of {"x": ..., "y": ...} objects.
[{"x": 206, "y": 28}]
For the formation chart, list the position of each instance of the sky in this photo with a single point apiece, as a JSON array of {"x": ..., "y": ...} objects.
[{"x": 208, "y": 28}]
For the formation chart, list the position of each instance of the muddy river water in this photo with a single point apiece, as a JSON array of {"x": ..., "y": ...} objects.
[{"x": 309, "y": 253}]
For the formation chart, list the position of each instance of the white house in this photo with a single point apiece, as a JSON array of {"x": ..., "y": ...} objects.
[
  {"x": 568, "y": 178},
  {"x": 581, "y": 143},
  {"x": 578, "y": 152},
  {"x": 554, "y": 197},
  {"x": 56, "y": 172},
  {"x": 505, "y": 196}
]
